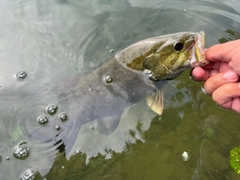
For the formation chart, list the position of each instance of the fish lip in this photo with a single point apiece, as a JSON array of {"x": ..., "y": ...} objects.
[
  {"x": 198, "y": 46},
  {"x": 201, "y": 40}
]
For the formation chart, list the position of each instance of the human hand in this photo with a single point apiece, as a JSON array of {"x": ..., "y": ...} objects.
[{"x": 222, "y": 74}]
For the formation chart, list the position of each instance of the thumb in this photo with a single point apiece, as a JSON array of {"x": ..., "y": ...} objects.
[{"x": 222, "y": 52}]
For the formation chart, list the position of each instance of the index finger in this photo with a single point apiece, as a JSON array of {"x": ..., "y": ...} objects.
[{"x": 222, "y": 52}]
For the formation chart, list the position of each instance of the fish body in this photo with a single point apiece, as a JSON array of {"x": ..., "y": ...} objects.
[{"x": 139, "y": 71}]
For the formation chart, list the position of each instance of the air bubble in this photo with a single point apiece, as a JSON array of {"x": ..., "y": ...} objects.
[
  {"x": 42, "y": 120},
  {"x": 77, "y": 152},
  {"x": 52, "y": 109},
  {"x": 108, "y": 79},
  {"x": 21, "y": 75},
  {"x": 63, "y": 116},
  {"x": 90, "y": 89},
  {"x": 149, "y": 73},
  {"x": 57, "y": 127},
  {"x": 22, "y": 150},
  {"x": 30, "y": 174}
]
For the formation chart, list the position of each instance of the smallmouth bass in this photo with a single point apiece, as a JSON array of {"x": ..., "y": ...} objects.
[{"x": 138, "y": 71}]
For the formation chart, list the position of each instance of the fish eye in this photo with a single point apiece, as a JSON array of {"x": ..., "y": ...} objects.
[{"x": 178, "y": 46}]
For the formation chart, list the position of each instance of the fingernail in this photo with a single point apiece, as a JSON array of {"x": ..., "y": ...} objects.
[
  {"x": 230, "y": 75},
  {"x": 203, "y": 90},
  {"x": 239, "y": 85}
]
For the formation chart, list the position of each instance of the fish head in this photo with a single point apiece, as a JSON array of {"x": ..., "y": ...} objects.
[
  {"x": 165, "y": 57},
  {"x": 181, "y": 50}
]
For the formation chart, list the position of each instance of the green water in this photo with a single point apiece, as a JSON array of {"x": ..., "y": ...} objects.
[{"x": 52, "y": 40}]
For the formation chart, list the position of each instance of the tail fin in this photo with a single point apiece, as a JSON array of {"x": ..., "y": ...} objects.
[{"x": 60, "y": 135}]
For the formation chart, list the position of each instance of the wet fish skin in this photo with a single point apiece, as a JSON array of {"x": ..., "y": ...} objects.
[
  {"x": 90, "y": 98},
  {"x": 137, "y": 72}
]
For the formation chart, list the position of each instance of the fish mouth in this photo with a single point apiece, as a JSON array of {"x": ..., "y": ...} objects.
[{"x": 198, "y": 57}]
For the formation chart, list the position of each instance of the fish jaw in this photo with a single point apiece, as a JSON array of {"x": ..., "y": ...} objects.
[{"x": 198, "y": 57}]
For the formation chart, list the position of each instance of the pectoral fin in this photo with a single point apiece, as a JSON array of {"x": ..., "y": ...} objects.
[
  {"x": 155, "y": 101},
  {"x": 107, "y": 125}
]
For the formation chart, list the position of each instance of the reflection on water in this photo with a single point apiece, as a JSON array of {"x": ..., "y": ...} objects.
[
  {"x": 49, "y": 41},
  {"x": 231, "y": 35}
]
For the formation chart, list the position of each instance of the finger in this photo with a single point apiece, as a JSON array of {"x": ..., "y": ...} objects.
[
  {"x": 235, "y": 62},
  {"x": 199, "y": 74},
  {"x": 223, "y": 66},
  {"x": 228, "y": 95},
  {"x": 236, "y": 104},
  {"x": 215, "y": 65},
  {"x": 220, "y": 66},
  {"x": 218, "y": 80},
  {"x": 211, "y": 65},
  {"x": 221, "y": 52},
  {"x": 213, "y": 72}
]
